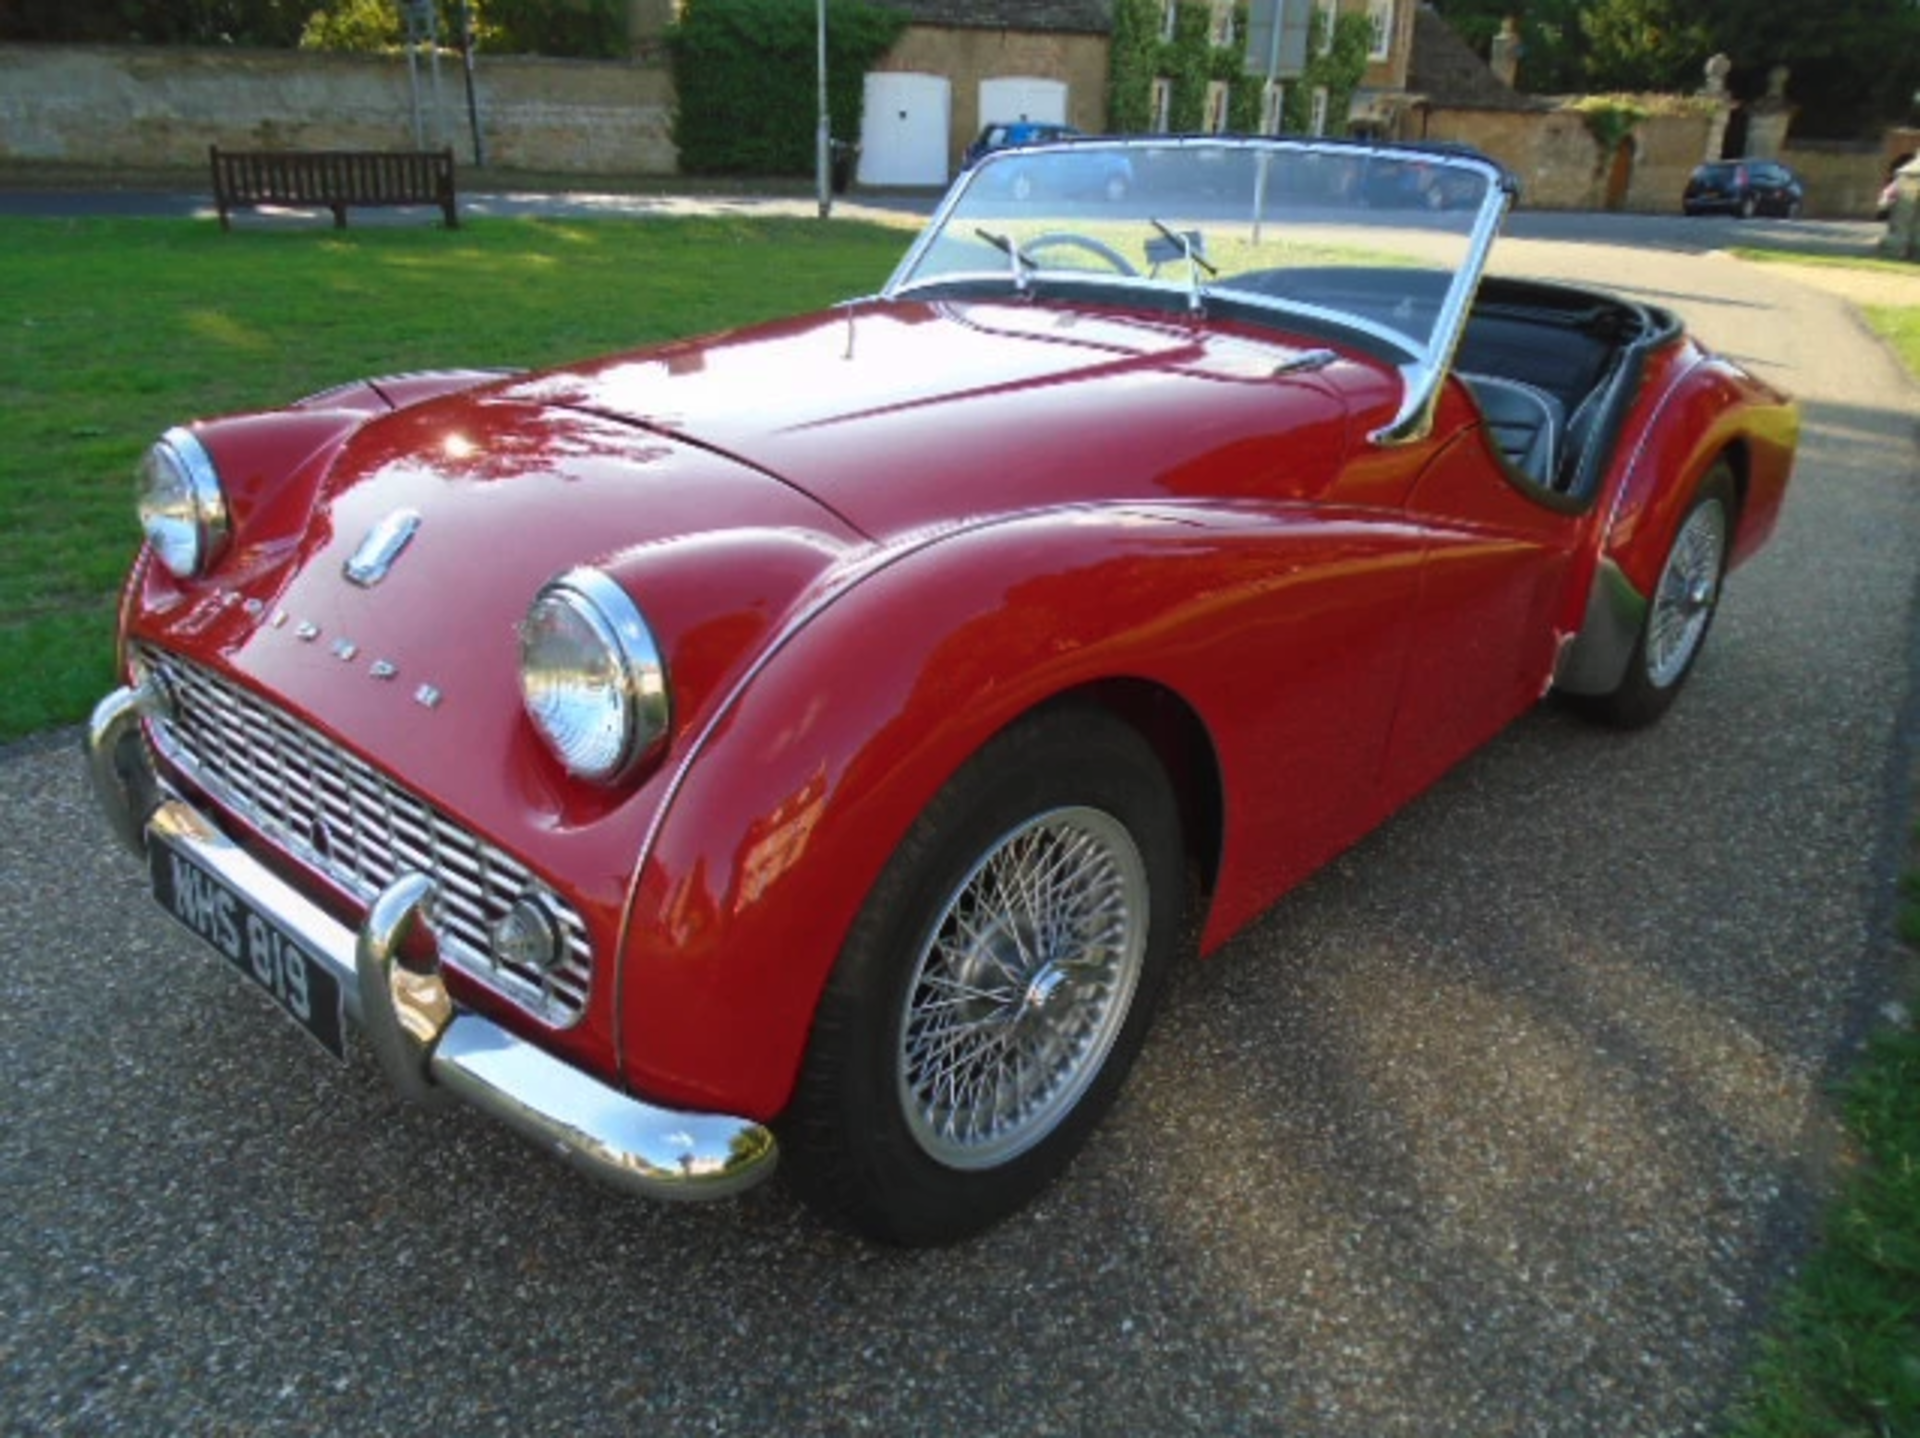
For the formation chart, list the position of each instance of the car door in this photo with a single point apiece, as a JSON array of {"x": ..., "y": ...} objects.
[{"x": 1490, "y": 604}]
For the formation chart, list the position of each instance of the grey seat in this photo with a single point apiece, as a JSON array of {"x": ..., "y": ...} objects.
[{"x": 1524, "y": 422}]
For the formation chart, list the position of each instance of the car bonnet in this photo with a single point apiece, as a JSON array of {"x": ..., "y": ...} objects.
[{"x": 902, "y": 415}]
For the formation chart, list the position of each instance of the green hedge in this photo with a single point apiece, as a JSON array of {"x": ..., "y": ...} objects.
[
  {"x": 748, "y": 79},
  {"x": 581, "y": 29},
  {"x": 1338, "y": 70}
]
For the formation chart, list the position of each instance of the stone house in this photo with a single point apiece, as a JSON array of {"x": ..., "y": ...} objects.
[{"x": 965, "y": 63}]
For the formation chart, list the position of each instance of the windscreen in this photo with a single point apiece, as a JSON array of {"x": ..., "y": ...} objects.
[{"x": 1376, "y": 238}]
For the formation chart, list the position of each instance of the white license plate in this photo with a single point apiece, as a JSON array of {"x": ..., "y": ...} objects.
[{"x": 304, "y": 988}]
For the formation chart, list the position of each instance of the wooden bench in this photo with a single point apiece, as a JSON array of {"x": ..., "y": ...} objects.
[{"x": 334, "y": 179}]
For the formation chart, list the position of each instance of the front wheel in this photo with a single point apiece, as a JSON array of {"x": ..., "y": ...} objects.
[
  {"x": 1680, "y": 611},
  {"x": 996, "y": 986}
]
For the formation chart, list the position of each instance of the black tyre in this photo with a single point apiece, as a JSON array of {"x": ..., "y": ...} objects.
[
  {"x": 996, "y": 987},
  {"x": 1680, "y": 610}
]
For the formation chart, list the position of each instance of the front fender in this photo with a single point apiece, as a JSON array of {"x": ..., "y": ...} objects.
[
  {"x": 784, "y": 815},
  {"x": 782, "y": 819}
]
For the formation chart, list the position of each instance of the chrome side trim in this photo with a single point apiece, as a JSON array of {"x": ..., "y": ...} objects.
[
  {"x": 427, "y": 1046},
  {"x": 1596, "y": 661}
]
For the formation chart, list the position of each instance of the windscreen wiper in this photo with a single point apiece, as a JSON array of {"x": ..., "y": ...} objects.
[
  {"x": 1193, "y": 245},
  {"x": 1018, "y": 260}
]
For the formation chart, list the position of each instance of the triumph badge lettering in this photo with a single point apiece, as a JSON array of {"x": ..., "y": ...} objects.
[{"x": 303, "y": 987}]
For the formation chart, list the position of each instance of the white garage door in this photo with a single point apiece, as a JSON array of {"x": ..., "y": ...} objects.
[
  {"x": 903, "y": 135},
  {"x": 1023, "y": 97}
]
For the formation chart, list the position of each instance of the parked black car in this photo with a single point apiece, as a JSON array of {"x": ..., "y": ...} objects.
[{"x": 1745, "y": 188}]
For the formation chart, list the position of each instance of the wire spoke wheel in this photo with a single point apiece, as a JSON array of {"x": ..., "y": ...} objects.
[
  {"x": 1683, "y": 603},
  {"x": 997, "y": 984},
  {"x": 1022, "y": 987}
]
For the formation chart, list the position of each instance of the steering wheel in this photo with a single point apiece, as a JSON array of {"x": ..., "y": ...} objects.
[{"x": 1068, "y": 240}]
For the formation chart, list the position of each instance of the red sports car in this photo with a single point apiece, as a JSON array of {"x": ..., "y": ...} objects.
[{"x": 819, "y": 740}]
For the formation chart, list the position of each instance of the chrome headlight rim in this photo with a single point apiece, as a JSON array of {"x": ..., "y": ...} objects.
[
  {"x": 644, "y": 709},
  {"x": 187, "y": 529}
]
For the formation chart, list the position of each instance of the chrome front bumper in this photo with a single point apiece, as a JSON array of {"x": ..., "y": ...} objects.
[{"x": 426, "y": 1045}]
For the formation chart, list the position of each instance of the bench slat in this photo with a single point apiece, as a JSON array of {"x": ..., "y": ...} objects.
[{"x": 334, "y": 179}]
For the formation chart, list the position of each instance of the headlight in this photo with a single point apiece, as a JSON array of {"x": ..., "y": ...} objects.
[
  {"x": 182, "y": 510},
  {"x": 592, "y": 677}
]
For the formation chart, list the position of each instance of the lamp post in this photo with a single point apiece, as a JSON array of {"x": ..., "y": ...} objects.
[{"x": 822, "y": 135}]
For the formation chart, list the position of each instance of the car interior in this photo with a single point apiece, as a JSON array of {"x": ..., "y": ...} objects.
[{"x": 1553, "y": 371}]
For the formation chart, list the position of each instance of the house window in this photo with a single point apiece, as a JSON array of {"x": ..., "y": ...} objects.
[
  {"x": 1273, "y": 108},
  {"x": 1222, "y": 24},
  {"x": 1318, "y": 124},
  {"x": 1380, "y": 13},
  {"x": 1169, "y": 16},
  {"x": 1162, "y": 105},
  {"x": 1216, "y": 107},
  {"x": 1325, "y": 18}
]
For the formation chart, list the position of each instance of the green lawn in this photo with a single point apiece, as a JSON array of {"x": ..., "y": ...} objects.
[
  {"x": 1899, "y": 325},
  {"x": 112, "y": 330}
]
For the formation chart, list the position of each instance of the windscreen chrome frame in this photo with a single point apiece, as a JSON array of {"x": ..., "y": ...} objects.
[{"x": 1421, "y": 373}]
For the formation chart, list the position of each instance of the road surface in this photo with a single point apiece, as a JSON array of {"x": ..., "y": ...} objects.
[{"x": 1510, "y": 1122}]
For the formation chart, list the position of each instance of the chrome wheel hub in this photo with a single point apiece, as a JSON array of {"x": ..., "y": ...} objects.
[
  {"x": 1022, "y": 987},
  {"x": 1683, "y": 602}
]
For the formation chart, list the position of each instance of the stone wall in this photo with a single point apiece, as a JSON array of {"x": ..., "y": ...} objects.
[
  {"x": 129, "y": 106},
  {"x": 1841, "y": 180},
  {"x": 1561, "y": 168},
  {"x": 1560, "y": 164}
]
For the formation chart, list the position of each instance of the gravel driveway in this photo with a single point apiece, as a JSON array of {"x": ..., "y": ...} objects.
[{"x": 1508, "y": 1123}]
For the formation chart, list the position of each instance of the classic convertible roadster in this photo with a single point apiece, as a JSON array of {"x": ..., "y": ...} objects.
[{"x": 819, "y": 740}]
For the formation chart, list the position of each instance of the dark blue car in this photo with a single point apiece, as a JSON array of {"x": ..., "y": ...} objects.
[{"x": 1099, "y": 172}]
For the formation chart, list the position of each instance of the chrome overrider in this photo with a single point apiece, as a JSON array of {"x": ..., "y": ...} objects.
[{"x": 427, "y": 1046}]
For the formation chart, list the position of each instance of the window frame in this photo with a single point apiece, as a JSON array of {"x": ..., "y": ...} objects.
[{"x": 1381, "y": 14}]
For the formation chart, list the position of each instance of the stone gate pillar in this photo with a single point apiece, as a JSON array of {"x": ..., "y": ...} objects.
[{"x": 1770, "y": 118}]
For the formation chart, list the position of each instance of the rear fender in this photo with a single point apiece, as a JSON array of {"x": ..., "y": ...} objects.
[
  {"x": 1712, "y": 408},
  {"x": 1697, "y": 412}
]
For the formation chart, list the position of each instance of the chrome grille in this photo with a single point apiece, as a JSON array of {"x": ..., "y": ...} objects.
[{"x": 352, "y": 823}]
